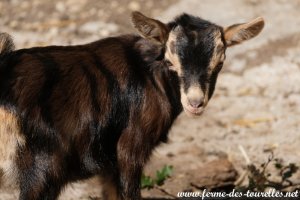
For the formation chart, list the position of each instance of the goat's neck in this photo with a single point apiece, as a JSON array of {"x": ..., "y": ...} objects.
[
  {"x": 164, "y": 80},
  {"x": 167, "y": 82}
]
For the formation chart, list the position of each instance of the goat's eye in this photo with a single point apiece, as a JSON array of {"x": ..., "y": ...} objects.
[
  {"x": 168, "y": 63},
  {"x": 219, "y": 66}
]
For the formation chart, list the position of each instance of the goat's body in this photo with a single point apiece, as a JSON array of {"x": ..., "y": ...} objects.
[{"x": 68, "y": 113}]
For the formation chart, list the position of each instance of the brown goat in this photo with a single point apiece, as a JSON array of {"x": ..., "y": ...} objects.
[{"x": 71, "y": 112}]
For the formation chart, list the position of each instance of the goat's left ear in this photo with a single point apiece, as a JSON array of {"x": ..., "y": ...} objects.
[
  {"x": 238, "y": 33},
  {"x": 150, "y": 29}
]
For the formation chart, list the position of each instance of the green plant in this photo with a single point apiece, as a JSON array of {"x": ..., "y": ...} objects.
[{"x": 148, "y": 182}]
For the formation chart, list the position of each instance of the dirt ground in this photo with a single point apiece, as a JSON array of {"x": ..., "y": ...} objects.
[{"x": 256, "y": 104}]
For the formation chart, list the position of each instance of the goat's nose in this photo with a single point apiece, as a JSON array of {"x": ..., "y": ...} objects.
[{"x": 196, "y": 103}]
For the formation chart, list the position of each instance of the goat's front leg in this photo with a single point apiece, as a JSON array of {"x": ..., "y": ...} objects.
[
  {"x": 132, "y": 154},
  {"x": 36, "y": 178},
  {"x": 110, "y": 187}
]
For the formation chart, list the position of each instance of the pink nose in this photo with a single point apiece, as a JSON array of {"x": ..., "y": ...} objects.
[{"x": 196, "y": 103}]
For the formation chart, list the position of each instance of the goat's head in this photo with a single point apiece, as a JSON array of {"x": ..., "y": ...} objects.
[{"x": 195, "y": 49}]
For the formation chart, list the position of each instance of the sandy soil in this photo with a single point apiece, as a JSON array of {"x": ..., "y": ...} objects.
[{"x": 257, "y": 100}]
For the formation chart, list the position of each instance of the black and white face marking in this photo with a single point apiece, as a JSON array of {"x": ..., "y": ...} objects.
[
  {"x": 197, "y": 53},
  {"x": 195, "y": 49}
]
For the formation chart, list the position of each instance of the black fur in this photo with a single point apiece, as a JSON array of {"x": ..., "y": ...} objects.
[{"x": 99, "y": 108}]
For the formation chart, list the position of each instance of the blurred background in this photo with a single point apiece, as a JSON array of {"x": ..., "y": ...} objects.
[{"x": 256, "y": 106}]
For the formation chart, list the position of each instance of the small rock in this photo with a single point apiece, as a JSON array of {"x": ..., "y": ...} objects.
[
  {"x": 215, "y": 174},
  {"x": 104, "y": 29},
  {"x": 60, "y": 7},
  {"x": 133, "y": 5},
  {"x": 13, "y": 24}
]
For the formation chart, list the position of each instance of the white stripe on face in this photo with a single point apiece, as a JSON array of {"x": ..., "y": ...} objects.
[{"x": 172, "y": 56}]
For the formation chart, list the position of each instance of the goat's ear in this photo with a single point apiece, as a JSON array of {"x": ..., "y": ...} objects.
[
  {"x": 150, "y": 29},
  {"x": 238, "y": 33}
]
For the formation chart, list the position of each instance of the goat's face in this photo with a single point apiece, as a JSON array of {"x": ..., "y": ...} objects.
[
  {"x": 197, "y": 56},
  {"x": 195, "y": 49}
]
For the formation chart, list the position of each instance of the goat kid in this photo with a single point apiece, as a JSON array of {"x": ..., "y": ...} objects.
[{"x": 70, "y": 112}]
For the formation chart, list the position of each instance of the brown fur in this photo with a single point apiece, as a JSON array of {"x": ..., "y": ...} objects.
[
  {"x": 238, "y": 33},
  {"x": 6, "y": 43},
  {"x": 10, "y": 140},
  {"x": 68, "y": 113}
]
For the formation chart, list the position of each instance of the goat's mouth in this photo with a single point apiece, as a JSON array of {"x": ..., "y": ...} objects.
[{"x": 190, "y": 111}]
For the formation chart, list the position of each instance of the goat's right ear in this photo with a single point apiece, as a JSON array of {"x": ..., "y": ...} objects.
[{"x": 150, "y": 29}]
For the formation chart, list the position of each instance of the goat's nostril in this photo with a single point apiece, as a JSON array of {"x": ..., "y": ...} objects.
[{"x": 196, "y": 103}]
